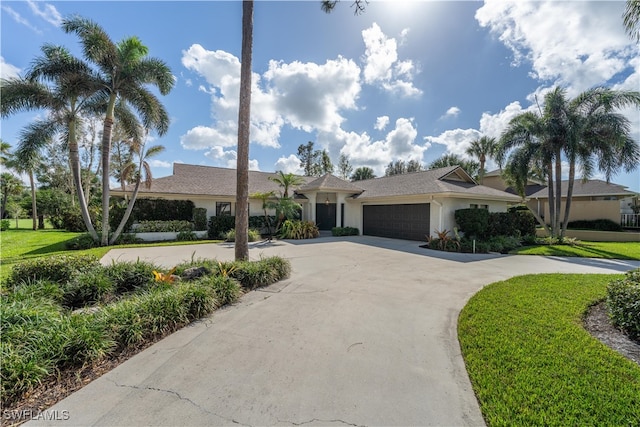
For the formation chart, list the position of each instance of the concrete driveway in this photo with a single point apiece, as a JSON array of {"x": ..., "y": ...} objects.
[{"x": 363, "y": 333}]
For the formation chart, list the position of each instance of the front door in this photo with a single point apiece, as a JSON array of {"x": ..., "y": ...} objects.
[{"x": 325, "y": 216}]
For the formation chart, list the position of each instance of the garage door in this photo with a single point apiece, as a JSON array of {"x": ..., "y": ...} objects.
[{"x": 410, "y": 221}]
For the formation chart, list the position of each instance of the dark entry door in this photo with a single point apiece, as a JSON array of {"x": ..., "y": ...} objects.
[
  {"x": 325, "y": 216},
  {"x": 410, "y": 221}
]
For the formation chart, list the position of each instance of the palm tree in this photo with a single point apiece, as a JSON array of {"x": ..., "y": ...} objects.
[
  {"x": 631, "y": 19},
  {"x": 362, "y": 173},
  {"x": 10, "y": 185},
  {"x": 244, "y": 126},
  {"x": 124, "y": 71},
  {"x": 470, "y": 166},
  {"x": 286, "y": 181},
  {"x": 71, "y": 90},
  {"x": 5, "y": 153},
  {"x": 266, "y": 204},
  {"x": 482, "y": 148},
  {"x": 27, "y": 161},
  {"x": 586, "y": 130}
]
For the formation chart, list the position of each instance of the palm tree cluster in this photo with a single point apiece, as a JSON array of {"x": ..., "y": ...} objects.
[
  {"x": 587, "y": 132},
  {"x": 112, "y": 81}
]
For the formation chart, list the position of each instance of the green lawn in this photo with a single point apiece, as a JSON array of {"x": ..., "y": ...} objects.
[
  {"x": 532, "y": 363},
  {"x": 23, "y": 243},
  {"x": 609, "y": 250}
]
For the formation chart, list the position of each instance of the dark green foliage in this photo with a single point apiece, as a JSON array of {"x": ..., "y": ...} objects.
[
  {"x": 59, "y": 269},
  {"x": 83, "y": 241},
  {"x": 152, "y": 210},
  {"x": 200, "y": 219},
  {"x": 219, "y": 225},
  {"x": 259, "y": 222},
  {"x": 255, "y": 274},
  {"x": 163, "y": 226},
  {"x": 127, "y": 276},
  {"x": 501, "y": 224},
  {"x": 503, "y": 244},
  {"x": 623, "y": 303},
  {"x": 524, "y": 221},
  {"x": 281, "y": 266},
  {"x": 473, "y": 222},
  {"x": 296, "y": 229},
  {"x": 5, "y": 224},
  {"x": 88, "y": 288},
  {"x": 185, "y": 236},
  {"x": 345, "y": 231},
  {"x": 128, "y": 239},
  {"x": 227, "y": 289},
  {"x": 596, "y": 224}
]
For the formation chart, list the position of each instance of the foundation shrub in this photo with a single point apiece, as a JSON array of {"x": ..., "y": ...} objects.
[
  {"x": 199, "y": 219},
  {"x": 345, "y": 231},
  {"x": 596, "y": 224},
  {"x": 219, "y": 225},
  {"x": 163, "y": 226},
  {"x": 623, "y": 303},
  {"x": 473, "y": 222}
]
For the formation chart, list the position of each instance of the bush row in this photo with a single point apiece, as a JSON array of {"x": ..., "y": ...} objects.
[
  {"x": 482, "y": 224},
  {"x": 41, "y": 334},
  {"x": 623, "y": 303},
  {"x": 345, "y": 231}
]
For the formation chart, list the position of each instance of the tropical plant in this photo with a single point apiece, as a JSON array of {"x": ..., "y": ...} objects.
[
  {"x": 124, "y": 71},
  {"x": 66, "y": 87},
  {"x": 299, "y": 230},
  {"x": 470, "y": 166},
  {"x": 10, "y": 185},
  {"x": 362, "y": 173},
  {"x": 286, "y": 209},
  {"x": 266, "y": 204},
  {"x": 287, "y": 181},
  {"x": 481, "y": 148},
  {"x": 631, "y": 19},
  {"x": 585, "y": 131},
  {"x": 244, "y": 128}
]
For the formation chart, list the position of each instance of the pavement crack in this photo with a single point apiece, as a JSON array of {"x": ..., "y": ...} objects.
[
  {"x": 179, "y": 396},
  {"x": 320, "y": 421}
]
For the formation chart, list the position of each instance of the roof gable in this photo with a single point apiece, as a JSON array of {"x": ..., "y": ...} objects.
[{"x": 331, "y": 183}]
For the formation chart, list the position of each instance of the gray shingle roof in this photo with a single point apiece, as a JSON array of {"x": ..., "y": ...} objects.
[
  {"x": 451, "y": 179},
  {"x": 593, "y": 187},
  {"x": 209, "y": 181},
  {"x": 331, "y": 183}
]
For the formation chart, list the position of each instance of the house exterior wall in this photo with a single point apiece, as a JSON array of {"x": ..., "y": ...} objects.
[{"x": 582, "y": 209}]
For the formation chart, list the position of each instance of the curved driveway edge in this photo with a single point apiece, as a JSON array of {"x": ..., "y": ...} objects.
[{"x": 363, "y": 333}]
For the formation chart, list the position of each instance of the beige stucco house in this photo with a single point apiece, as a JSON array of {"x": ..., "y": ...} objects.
[{"x": 407, "y": 206}]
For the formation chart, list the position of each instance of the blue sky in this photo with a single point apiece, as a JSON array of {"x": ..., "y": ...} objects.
[{"x": 405, "y": 80}]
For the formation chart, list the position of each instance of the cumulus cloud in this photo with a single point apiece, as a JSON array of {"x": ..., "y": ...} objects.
[
  {"x": 381, "y": 123},
  {"x": 290, "y": 164},
  {"x": 381, "y": 66},
  {"x": 551, "y": 36},
  {"x": 46, "y": 11},
  {"x": 228, "y": 158},
  {"x": 398, "y": 144},
  {"x": 451, "y": 112},
  {"x": 456, "y": 141},
  {"x": 8, "y": 70},
  {"x": 159, "y": 163}
]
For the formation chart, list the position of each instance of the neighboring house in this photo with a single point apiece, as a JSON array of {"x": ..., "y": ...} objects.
[
  {"x": 407, "y": 206},
  {"x": 591, "y": 199}
]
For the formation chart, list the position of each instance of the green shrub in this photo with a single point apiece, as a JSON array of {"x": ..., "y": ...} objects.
[
  {"x": 34, "y": 290},
  {"x": 503, "y": 244},
  {"x": 502, "y": 224},
  {"x": 199, "y": 219},
  {"x": 5, "y": 224},
  {"x": 345, "y": 231},
  {"x": 623, "y": 303},
  {"x": 281, "y": 266},
  {"x": 255, "y": 274},
  {"x": 525, "y": 221},
  {"x": 57, "y": 268},
  {"x": 219, "y": 225},
  {"x": 128, "y": 239},
  {"x": 227, "y": 289},
  {"x": 127, "y": 275},
  {"x": 83, "y": 241},
  {"x": 473, "y": 222},
  {"x": 88, "y": 288},
  {"x": 185, "y": 236},
  {"x": 151, "y": 210},
  {"x": 596, "y": 224},
  {"x": 163, "y": 226},
  {"x": 252, "y": 236},
  {"x": 296, "y": 229},
  {"x": 259, "y": 221}
]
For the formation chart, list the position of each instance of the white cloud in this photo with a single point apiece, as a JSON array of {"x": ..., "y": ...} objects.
[
  {"x": 228, "y": 158},
  {"x": 574, "y": 44},
  {"x": 46, "y": 11},
  {"x": 381, "y": 64},
  {"x": 159, "y": 164},
  {"x": 456, "y": 141},
  {"x": 289, "y": 164},
  {"x": 398, "y": 144},
  {"x": 8, "y": 70},
  {"x": 19, "y": 19},
  {"x": 492, "y": 125},
  {"x": 381, "y": 123},
  {"x": 452, "y": 112}
]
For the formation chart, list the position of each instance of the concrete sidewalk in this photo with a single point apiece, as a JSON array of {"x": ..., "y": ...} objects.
[{"x": 363, "y": 333}]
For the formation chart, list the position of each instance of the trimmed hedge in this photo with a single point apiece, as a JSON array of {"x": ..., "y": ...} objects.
[
  {"x": 163, "y": 226},
  {"x": 200, "y": 219},
  {"x": 596, "y": 224},
  {"x": 473, "y": 222},
  {"x": 345, "y": 231},
  {"x": 623, "y": 303}
]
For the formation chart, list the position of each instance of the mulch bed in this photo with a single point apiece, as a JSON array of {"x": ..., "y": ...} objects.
[{"x": 598, "y": 324}]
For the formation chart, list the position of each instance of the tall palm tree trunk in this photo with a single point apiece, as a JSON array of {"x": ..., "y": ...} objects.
[
  {"x": 567, "y": 206},
  {"x": 34, "y": 207},
  {"x": 558, "y": 206},
  {"x": 106, "y": 150},
  {"x": 551, "y": 198},
  {"x": 74, "y": 161},
  {"x": 244, "y": 122}
]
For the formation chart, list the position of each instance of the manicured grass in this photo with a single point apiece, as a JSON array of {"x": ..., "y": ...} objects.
[
  {"x": 22, "y": 244},
  {"x": 532, "y": 363},
  {"x": 608, "y": 250}
]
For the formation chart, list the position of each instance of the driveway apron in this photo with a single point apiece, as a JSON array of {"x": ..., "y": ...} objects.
[{"x": 364, "y": 332}]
